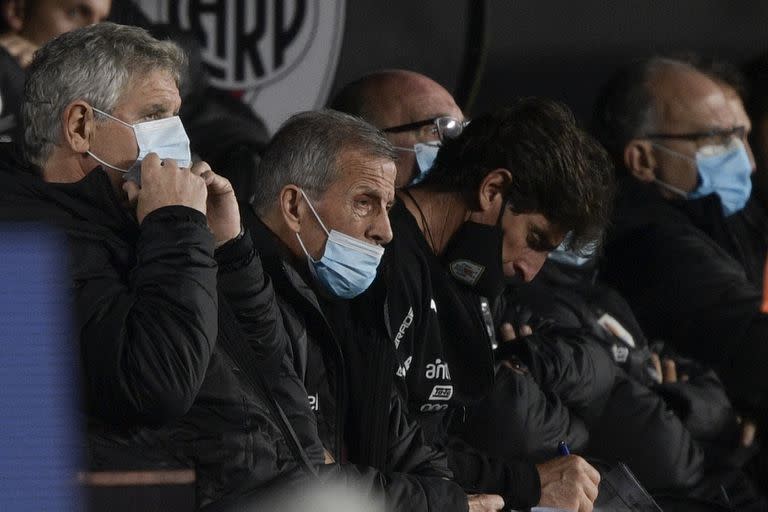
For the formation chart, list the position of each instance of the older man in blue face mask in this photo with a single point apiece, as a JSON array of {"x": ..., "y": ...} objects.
[
  {"x": 320, "y": 222},
  {"x": 686, "y": 168}
]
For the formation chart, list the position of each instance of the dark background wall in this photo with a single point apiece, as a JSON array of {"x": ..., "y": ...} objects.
[{"x": 563, "y": 49}]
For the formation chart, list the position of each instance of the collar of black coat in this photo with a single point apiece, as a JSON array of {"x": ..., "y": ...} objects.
[
  {"x": 277, "y": 258},
  {"x": 87, "y": 206},
  {"x": 641, "y": 204}
]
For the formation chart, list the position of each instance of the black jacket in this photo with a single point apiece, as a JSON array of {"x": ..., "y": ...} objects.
[
  {"x": 340, "y": 393},
  {"x": 664, "y": 451},
  {"x": 445, "y": 361},
  {"x": 666, "y": 258},
  {"x": 159, "y": 389},
  {"x": 749, "y": 229}
]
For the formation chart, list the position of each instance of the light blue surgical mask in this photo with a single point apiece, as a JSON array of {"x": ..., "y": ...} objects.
[
  {"x": 573, "y": 258},
  {"x": 426, "y": 153},
  {"x": 724, "y": 170},
  {"x": 166, "y": 137},
  {"x": 348, "y": 265}
]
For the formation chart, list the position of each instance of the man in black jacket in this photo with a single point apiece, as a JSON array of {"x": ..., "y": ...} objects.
[
  {"x": 687, "y": 168},
  {"x": 184, "y": 355},
  {"x": 426, "y": 310},
  {"x": 320, "y": 221}
]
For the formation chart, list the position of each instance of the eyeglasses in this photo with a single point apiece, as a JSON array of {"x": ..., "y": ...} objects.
[
  {"x": 720, "y": 135},
  {"x": 445, "y": 127}
]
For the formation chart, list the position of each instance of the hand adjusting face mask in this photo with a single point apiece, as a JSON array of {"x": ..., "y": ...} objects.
[
  {"x": 166, "y": 137},
  {"x": 473, "y": 256},
  {"x": 723, "y": 169},
  {"x": 348, "y": 265}
]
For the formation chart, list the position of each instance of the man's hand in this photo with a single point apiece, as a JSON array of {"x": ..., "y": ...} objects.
[
  {"x": 19, "y": 48},
  {"x": 507, "y": 332},
  {"x": 569, "y": 483},
  {"x": 667, "y": 370},
  {"x": 223, "y": 212},
  {"x": 165, "y": 184},
  {"x": 485, "y": 502}
]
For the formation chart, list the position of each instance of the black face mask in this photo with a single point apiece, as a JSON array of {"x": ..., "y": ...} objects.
[{"x": 473, "y": 257}]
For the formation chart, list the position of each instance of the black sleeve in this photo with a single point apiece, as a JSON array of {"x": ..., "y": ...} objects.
[
  {"x": 567, "y": 363},
  {"x": 687, "y": 290},
  {"x": 519, "y": 420},
  {"x": 147, "y": 335},
  {"x": 407, "y": 451},
  {"x": 638, "y": 428},
  {"x": 249, "y": 292},
  {"x": 516, "y": 481}
]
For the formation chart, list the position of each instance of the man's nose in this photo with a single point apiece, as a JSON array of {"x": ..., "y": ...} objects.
[
  {"x": 531, "y": 265},
  {"x": 380, "y": 231},
  {"x": 750, "y": 155}
]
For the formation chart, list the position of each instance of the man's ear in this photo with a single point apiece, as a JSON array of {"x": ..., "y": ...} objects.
[
  {"x": 640, "y": 160},
  {"x": 493, "y": 188},
  {"x": 77, "y": 125},
  {"x": 290, "y": 201},
  {"x": 13, "y": 14}
]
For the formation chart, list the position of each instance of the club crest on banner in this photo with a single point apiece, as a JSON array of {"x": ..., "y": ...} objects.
[{"x": 278, "y": 56}]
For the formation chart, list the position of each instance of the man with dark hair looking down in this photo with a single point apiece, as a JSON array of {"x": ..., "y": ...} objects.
[{"x": 428, "y": 308}]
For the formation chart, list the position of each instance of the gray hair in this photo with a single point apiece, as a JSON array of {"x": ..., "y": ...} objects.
[
  {"x": 95, "y": 64},
  {"x": 305, "y": 150}
]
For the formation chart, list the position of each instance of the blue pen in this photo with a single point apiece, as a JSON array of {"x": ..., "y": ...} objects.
[{"x": 562, "y": 449}]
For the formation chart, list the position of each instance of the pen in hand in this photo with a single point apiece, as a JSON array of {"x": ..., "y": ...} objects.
[{"x": 562, "y": 449}]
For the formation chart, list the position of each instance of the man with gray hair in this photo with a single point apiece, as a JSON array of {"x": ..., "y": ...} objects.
[
  {"x": 320, "y": 221},
  {"x": 184, "y": 355}
]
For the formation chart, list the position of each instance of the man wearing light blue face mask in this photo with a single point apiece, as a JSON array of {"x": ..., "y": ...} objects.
[
  {"x": 320, "y": 221},
  {"x": 686, "y": 166},
  {"x": 415, "y": 113}
]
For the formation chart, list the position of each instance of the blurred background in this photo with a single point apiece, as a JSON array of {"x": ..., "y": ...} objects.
[{"x": 485, "y": 51}]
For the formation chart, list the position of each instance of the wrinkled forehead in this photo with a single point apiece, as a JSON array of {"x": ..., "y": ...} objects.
[{"x": 357, "y": 169}]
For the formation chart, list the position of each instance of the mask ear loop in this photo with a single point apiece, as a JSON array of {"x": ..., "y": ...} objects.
[
  {"x": 314, "y": 212},
  {"x": 102, "y": 162},
  {"x": 309, "y": 203},
  {"x": 672, "y": 188}
]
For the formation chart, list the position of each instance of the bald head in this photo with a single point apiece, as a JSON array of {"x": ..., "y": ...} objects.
[
  {"x": 681, "y": 103},
  {"x": 686, "y": 100},
  {"x": 393, "y": 98}
]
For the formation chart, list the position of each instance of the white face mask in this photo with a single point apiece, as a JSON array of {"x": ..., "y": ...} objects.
[{"x": 166, "y": 137}]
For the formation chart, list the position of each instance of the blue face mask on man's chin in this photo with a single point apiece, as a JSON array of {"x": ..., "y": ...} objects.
[
  {"x": 723, "y": 170},
  {"x": 348, "y": 265}
]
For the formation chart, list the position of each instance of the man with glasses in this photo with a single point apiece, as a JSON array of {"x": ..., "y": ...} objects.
[
  {"x": 686, "y": 169},
  {"x": 416, "y": 113},
  {"x": 435, "y": 318}
]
